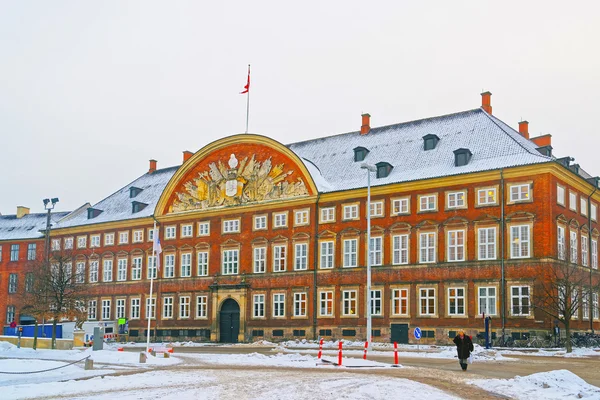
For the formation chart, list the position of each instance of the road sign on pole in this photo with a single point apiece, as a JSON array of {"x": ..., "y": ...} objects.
[{"x": 417, "y": 333}]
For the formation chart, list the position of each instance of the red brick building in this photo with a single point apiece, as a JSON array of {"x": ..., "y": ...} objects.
[{"x": 265, "y": 240}]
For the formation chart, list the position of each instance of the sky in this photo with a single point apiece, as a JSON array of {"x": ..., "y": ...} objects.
[{"x": 90, "y": 91}]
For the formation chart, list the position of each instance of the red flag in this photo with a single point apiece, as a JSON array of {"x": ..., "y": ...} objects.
[{"x": 247, "y": 87}]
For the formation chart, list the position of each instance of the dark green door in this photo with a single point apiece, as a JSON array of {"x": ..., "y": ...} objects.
[
  {"x": 400, "y": 333},
  {"x": 229, "y": 325}
]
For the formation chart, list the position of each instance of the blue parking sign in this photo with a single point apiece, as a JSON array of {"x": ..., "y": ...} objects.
[{"x": 417, "y": 333}]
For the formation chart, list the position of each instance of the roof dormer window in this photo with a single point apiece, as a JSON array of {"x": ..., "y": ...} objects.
[
  {"x": 462, "y": 157},
  {"x": 137, "y": 206},
  {"x": 430, "y": 141},
  {"x": 545, "y": 150},
  {"x": 93, "y": 212},
  {"x": 383, "y": 169},
  {"x": 134, "y": 191},
  {"x": 360, "y": 153}
]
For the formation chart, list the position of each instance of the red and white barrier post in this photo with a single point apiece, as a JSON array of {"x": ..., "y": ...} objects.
[
  {"x": 395, "y": 353},
  {"x": 340, "y": 354},
  {"x": 366, "y": 348},
  {"x": 320, "y": 349}
]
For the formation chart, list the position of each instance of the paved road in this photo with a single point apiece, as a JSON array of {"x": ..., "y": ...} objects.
[{"x": 586, "y": 368}]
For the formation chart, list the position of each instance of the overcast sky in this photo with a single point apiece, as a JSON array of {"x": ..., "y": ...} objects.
[{"x": 90, "y": 91}]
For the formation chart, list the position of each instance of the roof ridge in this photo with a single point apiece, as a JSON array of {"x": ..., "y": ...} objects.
[
  {"x": 390, "y": 125},
  {"x": 493, "y": 119}
]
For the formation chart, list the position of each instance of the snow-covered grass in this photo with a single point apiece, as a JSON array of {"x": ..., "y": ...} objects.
[{"x": 560, "y": 384}]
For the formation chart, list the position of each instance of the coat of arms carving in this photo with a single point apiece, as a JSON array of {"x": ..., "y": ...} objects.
[{"x": 245, "y": 181}]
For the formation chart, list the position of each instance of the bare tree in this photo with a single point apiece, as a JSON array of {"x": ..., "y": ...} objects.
[
  {"x": 560, "y": 292},
  {"x": 55, "y": 291}
]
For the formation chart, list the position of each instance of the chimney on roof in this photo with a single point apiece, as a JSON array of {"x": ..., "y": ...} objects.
[
  {"x": 366, "y": 124},
  {"x": 524, "y": 129},
  {"x": 544, "y": 140},
  {"x": 486, "y": 102},
  {"x": 22, "y": 211},
  {"x": 152, "y": 166},
  {"x": 187, "y": 155}
]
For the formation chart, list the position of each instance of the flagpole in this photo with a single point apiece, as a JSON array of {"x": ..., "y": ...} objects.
[
  {"x": 149, "y": 310},
  {"x": 248, "y": 100}
]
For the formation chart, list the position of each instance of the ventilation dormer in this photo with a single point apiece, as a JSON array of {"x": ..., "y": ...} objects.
[
  {"x": 134, "y": 191},
  {"x": 137, "y": 206},
  {"x": 93, "y": 213},
  {"x": 545, "y": 150},
  {"x": 383, "y": 169},
  {"x": 360, "y": 153},
  {"x": 430, "y": 141},
  {"x": 462, "y": 157}
]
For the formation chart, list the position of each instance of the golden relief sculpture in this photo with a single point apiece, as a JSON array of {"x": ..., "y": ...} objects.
[{"x": 251, "y": 182}]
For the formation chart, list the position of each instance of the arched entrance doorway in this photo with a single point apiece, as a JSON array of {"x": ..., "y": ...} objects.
[{"x": 229, "y": 321}]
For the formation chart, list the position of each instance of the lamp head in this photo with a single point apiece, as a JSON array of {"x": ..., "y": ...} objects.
[
  {"x": 46, "y": 201},
  {"x": 54, "y": 200},
  {"x": 369, "y": 167}
]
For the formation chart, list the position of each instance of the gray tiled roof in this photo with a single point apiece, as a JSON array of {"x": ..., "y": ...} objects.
[
  {"x": 494, "y": 145},
  {"x": 118, "y": 207},
  {"x": 27, "y": 227},
  {"x": 330, "y": 161}
]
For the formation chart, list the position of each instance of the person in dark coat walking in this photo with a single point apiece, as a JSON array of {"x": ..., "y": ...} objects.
[{"x": 464, "y": 347}]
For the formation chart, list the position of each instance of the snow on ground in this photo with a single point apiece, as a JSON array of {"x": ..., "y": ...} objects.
[{"x": 560, "y": 384}]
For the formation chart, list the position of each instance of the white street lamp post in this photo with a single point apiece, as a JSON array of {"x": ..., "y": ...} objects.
[{"x": 369, "y": 168}]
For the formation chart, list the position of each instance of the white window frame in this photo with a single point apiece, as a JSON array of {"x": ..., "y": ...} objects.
[
  {"x": 203, "y": 228},
  {"x": 594, "y": 254},
  {"x": 231, "y": 226},
  {"x": 519, "y": 297},
  {"x": 81, "y": 242},
  {"x": 106, "y": 309},
  {"x": 94, "y": 271},
  {"x": 278, "y": 305},
  {"x": 520, "y": 247},
  {"x": 350, "y": 303},
  {"x": 584, "y": 250},
  {"x": 427, "y": 248},
  {"x": 300, "y": 256},
  {"x": 327, "y": 215},
  {"x": 109, "y": 239},
  {"x": 427, "y": 202},
  {"x": 376, "y": 250},
  {"x": 259, "y": 257},
  {"x": 201, "y": 307},
  {"x": 456, "y": 200},
  {"x": 560, "y": 195},
  {"x": 134, "y": 308},
  {"x": 92, "y": 310},
  {"x": 167, "y": 307},
  {"x": 121, "y": 269},
  {"x": 350, "y": 212},
  {"x": 170, "y": 232},
  {"x": 583, "y": 206},
  {"x": 151, "y": 308},
  {"x": 301, "y": 217},
  {"x": 68, "y": 243},
  {"x": 185, "y": 267},
  {"x": 427, "y": 301},
  {"x": 486, "y": 243},
  {"x": 258, "y": 306},
  {"x": 120, "y": 308},
  {"x": 326, "y": 254},
  {"x": 400, "y": 250},
  {"x": 377, "y": 208},
  {"x": 456, "y": 300},
  {"x": 456, "y": 245},
  {"x": 487, "y": 300},
  {"x": 169, "y": 266},
  {"x": 573, "y": 256},
  {"x": 152, "y": 268},
  {"x": 519, "y": 192},
  {"x": 280, "y": 220},
  {"x": 136, "y": 268},
  {"x": 572, "y": 201},
  {"x": 401, "y": 206},
  {"x": 260, "y": 222},
  {"x": 124, "y": 237},
  {"x": 350, "y": 253},
  {"x": 376, "y": 302},
  {"x": 230, "y": 261},
  {"x": 95, "y": 241},
  {"x": 326, "y": 302},
  {"x": 400, "y": 301},
  {"x": 279, "y": 257},
  {"x": 187, "y": 230},
  {"x": 487, "y": 196},
  {"x": 138, "y": 236},
  {"x": 561, "y": 242},
  {"x": 202, "y": 263},
  {"x": 300, "y": 304},
  {"x": 107, "y": 270},
  {"x": 184, "y": 307}
]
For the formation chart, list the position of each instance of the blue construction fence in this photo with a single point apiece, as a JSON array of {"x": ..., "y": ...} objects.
[{"x": 28, "y": 331}]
